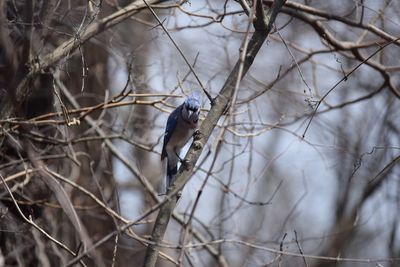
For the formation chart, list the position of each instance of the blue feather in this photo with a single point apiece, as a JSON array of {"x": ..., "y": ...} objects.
[{"x": 169, "y": 129}]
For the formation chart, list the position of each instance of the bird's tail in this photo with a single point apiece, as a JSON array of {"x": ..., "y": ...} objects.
[
  {"x": 171, "y": 174},
  {"x": 172, "y": 171}
]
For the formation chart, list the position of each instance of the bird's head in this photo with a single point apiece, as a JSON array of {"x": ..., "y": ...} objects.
[{"x": 191, "y": 108}]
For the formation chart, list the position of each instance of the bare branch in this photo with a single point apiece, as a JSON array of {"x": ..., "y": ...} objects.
[{"x": 221, "y": 102}]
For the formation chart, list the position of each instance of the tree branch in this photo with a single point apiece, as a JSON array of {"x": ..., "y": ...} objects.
[{"x": 221, "y": 102}]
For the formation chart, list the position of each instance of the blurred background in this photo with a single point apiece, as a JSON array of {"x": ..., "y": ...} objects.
[{"x": 274, "y": 176}]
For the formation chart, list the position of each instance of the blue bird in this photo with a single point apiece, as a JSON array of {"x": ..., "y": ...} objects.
[{"x": 181, "y": 125}]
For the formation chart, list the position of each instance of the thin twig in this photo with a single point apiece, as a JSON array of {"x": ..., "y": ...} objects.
[
  {"x": 180, "y": 52},
  {"x": 345, "y": 79},
  {"x": 300, "y": 250}
]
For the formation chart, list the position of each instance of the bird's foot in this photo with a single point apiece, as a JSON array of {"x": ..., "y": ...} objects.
[{"x": 197, "y": 135}]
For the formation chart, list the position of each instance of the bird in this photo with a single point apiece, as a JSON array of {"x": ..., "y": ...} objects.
[{"x": 181, "y": 125}]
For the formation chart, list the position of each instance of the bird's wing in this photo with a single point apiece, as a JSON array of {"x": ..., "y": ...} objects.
[{"x": 169, "y": 129}]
